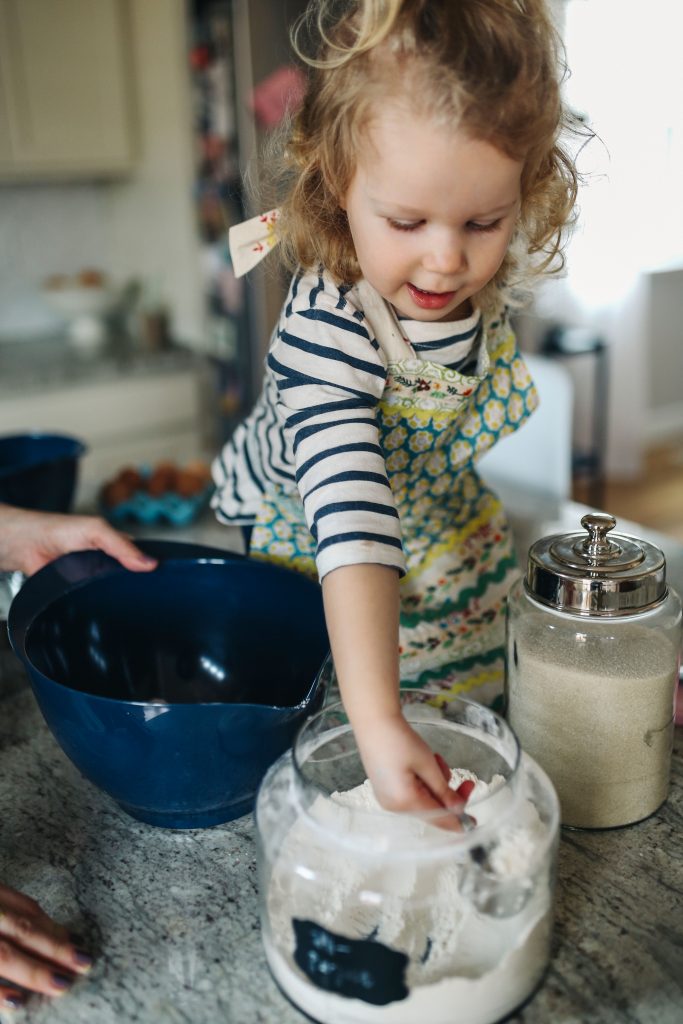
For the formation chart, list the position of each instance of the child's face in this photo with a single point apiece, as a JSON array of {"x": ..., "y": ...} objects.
[{"x": 431, "y": 214}]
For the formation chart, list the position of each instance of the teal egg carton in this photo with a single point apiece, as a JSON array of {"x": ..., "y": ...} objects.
[{"x": 170, "y": 508}]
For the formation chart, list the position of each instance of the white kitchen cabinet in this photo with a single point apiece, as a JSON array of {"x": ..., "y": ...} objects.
[
  {"x": 65, "y": 89},
  {"x": 137, "y": 419}
]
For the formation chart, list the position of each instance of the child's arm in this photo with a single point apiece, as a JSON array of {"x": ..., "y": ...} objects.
[{"x": 362, "y": 613}]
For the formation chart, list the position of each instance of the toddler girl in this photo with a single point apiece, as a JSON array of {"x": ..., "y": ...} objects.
[{"x": 426, "y": 186}]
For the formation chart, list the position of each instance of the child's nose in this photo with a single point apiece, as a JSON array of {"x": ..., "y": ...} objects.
[{"x": 445, "y": 254}]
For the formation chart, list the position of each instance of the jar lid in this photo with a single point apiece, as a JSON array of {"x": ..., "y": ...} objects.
[{"x": 596, "y": 575}]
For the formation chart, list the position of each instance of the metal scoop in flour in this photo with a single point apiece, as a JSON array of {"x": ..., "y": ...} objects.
[{"x": 484, "y": 884}]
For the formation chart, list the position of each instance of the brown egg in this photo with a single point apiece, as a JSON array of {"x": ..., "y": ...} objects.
[
  {"x": 189, "y": 483},
  {"x": 199, "y": 469},
  {"x": 90, "y": 278},
  {"x": 114, "y": 493},
  {"x": 131, "y": 478},
  {"x": 162, "y": 479}
]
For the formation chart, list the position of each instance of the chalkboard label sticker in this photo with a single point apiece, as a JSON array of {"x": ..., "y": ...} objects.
[{"x": 354, "y": 968}]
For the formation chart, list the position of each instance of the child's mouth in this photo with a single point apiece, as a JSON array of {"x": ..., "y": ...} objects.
[{"x": 429, "y": 300}]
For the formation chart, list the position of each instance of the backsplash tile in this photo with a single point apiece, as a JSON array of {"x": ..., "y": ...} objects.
[{"x": 46, "y": 229}]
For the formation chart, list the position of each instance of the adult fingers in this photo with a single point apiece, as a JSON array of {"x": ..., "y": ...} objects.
[
  {"x": 11, "y": 997},
  {"x": 26, "y": 943},
  {"x": 29, "y": 971},
  {"x": 121, "y": 548},
  {"x": 21, "y": 904}
]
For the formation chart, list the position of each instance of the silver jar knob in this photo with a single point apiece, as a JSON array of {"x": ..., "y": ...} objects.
[
  {"x": 593, "y": 574},
  {"x": 596, "y": 546}
]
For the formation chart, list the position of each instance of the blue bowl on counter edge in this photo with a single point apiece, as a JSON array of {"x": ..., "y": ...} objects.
[
  {"x": 173, "y": 690},
  {"x": 39, "y": 471}
]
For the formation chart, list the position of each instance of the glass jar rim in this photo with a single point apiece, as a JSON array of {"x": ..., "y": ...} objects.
[{"x": 470, "y": 836}]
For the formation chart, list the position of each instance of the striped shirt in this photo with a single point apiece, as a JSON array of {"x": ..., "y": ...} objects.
[{"x": 313, "y": 429}]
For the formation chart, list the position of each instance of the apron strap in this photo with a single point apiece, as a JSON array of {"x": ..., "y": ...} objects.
[{"x": 384, "y": 323}]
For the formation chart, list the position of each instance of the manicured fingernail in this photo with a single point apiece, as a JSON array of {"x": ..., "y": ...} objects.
[
  {"x": 14, "y": 1000},
  {"x": 62, "y": 980},
  {"x": 83, "y": 959}
]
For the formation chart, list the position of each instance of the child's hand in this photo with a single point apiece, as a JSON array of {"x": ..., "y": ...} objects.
[{"x": 405, "y": 774}]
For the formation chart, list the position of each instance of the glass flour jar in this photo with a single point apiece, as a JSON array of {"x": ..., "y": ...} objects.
[
  {"x": 592, "y": 657},
  {"x": 373, "y": 916}
]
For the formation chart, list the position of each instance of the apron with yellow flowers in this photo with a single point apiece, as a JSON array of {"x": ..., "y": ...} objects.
[{"x": 434, "y": 423}]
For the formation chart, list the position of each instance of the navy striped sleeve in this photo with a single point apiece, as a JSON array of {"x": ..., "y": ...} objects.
[{"x": 330, "y": 375}]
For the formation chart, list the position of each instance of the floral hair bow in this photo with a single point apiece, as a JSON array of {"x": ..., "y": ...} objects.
[{"x": 251, "y": 240}]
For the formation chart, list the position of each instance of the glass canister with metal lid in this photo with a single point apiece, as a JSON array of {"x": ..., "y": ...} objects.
[{"x": 592, "y": 657}]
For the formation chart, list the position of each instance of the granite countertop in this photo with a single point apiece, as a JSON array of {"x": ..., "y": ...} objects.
[
  {"x": 50, "y": 363},
  {"x": 172, "y": 916}
]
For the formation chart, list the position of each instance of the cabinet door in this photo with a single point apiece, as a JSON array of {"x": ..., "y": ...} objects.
[{"x": 65, "y": 82}]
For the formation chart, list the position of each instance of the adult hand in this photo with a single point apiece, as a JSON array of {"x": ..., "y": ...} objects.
[
  {"x": 29, "y": 540},
  {"x": 36, "y": 953},
  {"x": 404, "y": 772}
]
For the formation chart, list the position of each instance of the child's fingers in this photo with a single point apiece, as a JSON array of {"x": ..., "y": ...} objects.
[
  {"x": 432, "y": 775},
  {"x": 465, "y": 788},
  {"x": 446, "y": 818},
  {"x": 445, "y": 770},
  {"x": 433, "y": 779}
]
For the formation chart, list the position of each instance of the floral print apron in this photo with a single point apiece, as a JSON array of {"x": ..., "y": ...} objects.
[{"x": 433, "y": 423}]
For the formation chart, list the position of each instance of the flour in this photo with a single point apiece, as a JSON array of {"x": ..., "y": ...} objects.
[{"x": 420, "y": 895}]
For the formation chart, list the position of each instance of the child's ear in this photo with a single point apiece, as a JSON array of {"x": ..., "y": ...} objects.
[{"x": 342, "y": 197}]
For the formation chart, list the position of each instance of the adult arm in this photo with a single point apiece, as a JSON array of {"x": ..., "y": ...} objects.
[{"x": 29, "y": 540}]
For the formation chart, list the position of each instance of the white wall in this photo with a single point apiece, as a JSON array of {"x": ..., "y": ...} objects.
[
  {"x": 151, "y": 217},
  {"x": 46, "y": 229},
  {"x": 665, "y": 356},
  {"x": 631, "y": 219}
]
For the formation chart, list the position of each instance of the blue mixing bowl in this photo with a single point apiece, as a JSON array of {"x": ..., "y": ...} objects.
[
  {"x": 174, "y": 690},
  {"x": 39, "y": 471}
]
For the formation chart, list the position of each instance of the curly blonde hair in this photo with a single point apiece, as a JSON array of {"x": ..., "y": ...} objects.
[{"x": 492, "y": 67}]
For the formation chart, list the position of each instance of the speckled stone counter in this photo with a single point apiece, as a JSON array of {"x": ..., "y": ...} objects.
[
  {"x": 172, "y": 917},
  {"x": 46, "y": 364}
]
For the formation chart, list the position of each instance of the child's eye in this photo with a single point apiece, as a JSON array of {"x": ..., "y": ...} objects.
[
  {"x": 404, "y": 225},
  {"x": 493, "y": 226}
]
